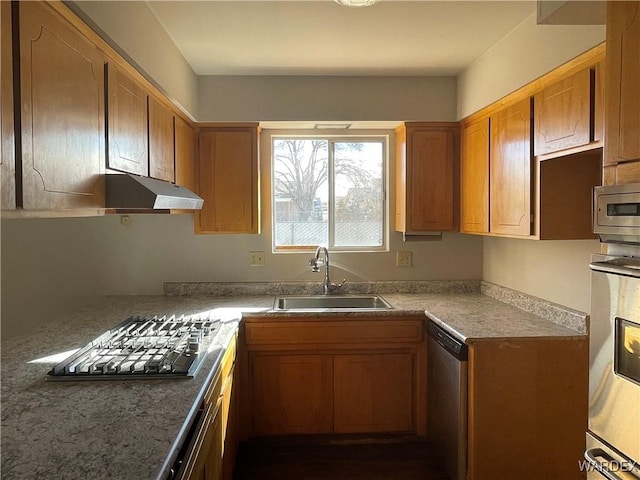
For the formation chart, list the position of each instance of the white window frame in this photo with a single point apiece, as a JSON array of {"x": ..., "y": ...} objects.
[{"x": 332, "y": 139}]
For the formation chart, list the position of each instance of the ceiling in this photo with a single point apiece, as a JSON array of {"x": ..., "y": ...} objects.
[{"x": 319, "y": 37}]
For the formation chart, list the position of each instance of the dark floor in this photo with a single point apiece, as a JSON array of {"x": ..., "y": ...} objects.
[{"x": 412, "y": 460}]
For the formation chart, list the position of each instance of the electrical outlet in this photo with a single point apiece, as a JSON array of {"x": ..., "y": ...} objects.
[
  {"x": 125, "y": 220},
  {"x": 403, "y": 259},
  {"x": 256, "y": 259}
]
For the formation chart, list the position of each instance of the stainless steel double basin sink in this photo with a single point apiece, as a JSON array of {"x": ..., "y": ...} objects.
[{"x": 330, "y": 302}]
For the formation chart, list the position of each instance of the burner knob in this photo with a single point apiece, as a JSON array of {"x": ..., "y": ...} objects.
[{"x": 194, "y": 345}]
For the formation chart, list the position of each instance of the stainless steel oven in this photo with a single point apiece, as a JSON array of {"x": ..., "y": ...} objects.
[{"x": 613, "y": 437}]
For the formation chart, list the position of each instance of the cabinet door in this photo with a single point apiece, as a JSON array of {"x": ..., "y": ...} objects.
[
  {"x": 161, "y": 141},
  {"x": 228, "y": 181},
  {"x": 185, "y": 142},
  {"x": 7, "y": 159},
  {"x": 63, "y": 131},
  {"x": 431, "y": 156},
  {"x": 128, "y": 120},
  {"x": 622, "y": 113},
  {"x": 205, "y": 460},
  {"x": 291, "y": 394},
  {"x": 598, "y": 102},
  {"x": 474, "y": 178},
  {"x": 510, "y": 170},
  {"x": 230, "y": 426},
  {"x": 373, "y": 393},
  {"x": 562, "y": 114},
  {"x": 527, "y": 401}
]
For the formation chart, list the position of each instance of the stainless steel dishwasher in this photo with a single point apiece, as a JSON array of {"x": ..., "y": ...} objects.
[{"x": 447, "y": 399}]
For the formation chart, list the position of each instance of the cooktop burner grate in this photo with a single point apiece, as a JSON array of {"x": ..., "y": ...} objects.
[{"x": 143, "y": 347}]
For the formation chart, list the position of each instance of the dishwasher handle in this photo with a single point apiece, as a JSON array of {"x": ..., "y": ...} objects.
[{"x": 456, "y": 347}]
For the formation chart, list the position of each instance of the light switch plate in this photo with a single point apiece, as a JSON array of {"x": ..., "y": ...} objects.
[{"x": 256, "y": 259}]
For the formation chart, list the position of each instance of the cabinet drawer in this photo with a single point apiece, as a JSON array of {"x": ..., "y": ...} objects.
[
  {"x": 214, "y": 390},
  {"x": 228, "y": 359},
  {"x": 355, "y": 332},
  {"x": 221, "y": 378}
]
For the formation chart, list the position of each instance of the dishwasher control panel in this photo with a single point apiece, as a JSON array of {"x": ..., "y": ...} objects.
[{"x": 446, "y": 340}]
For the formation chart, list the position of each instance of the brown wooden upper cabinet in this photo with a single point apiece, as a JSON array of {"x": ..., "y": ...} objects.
[
  {"x": 474, "y": 177},
  {"x": 83, "y": 110},
  {"x": 228, "y": 179},
  {"x": 562, "y": 113},
  {"x": 128, "y": 119},
  {"x": 7, "y": 159},
  {"x": 185, "y": 160},
  {"x": 426, "y": 177},
  {"x": 62, "y": 107},
  {"x": 510, "y": 170},
  {"x": 622, "y": 96},
  {"x": 598, "y": 102},
  {"x": 507, "y": 191},
  {"x": 554, "y": 193},
  {"x": 161, "y": 141}
]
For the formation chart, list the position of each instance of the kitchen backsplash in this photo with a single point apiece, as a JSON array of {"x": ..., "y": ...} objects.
[
  {"x": 315, "y": 288},
  {"x": 567, "y": 317}
]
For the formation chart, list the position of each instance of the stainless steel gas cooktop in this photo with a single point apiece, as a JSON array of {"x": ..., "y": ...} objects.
[{"x": 143, "y": 347}]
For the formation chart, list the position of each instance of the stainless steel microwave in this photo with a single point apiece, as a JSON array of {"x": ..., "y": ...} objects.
[{"x": 616, "y": 213}]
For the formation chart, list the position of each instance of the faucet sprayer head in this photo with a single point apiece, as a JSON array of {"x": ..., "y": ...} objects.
[{"x": 313, "y": 262}]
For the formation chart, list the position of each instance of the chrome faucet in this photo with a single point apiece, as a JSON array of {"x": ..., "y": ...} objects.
[{"x": 327, "y": 286}]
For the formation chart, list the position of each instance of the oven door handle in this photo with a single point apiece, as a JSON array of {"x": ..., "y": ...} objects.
[
  {"x": 615, "y": 268},
  {"x": 592, "y": 456}
]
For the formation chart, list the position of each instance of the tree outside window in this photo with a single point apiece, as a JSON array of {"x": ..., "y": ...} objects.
[{"x": 328, "y": 192}]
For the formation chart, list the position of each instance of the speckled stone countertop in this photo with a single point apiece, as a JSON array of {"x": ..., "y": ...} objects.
[
  {"x": 469, "y": 309},
  {"x": 129, "y": 429},
  {"x": 116, "y": 429}
]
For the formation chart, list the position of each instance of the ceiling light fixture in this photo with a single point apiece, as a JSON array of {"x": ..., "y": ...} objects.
[{"x": 355, "y": 3}]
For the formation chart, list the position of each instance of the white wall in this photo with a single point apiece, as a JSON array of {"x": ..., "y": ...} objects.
[
  {"x": 528, "y": 52},
  {"x": 282, "y": 98},
  {"x": 557, "y": 271},
  {"x": 553, "y": 270},
  {"x": 55, "y": 264},
  {"x": 134, "y": 28}
]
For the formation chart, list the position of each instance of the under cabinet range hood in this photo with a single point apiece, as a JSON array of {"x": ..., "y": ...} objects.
[{"x": 132, "y": 192}]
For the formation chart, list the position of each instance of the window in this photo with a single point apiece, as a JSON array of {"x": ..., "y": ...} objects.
[{"x": 328, "y": 191}]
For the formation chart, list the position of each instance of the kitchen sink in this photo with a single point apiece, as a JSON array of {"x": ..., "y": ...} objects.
[{"x": 323, "y": 302}]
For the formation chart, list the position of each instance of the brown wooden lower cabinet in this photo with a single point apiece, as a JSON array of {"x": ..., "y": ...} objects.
[
  {"x": 206, "y": 460},
  {"x": 373, "y": 393},
  {"x": 291, "y": 394},
  {"x": 347, "y": 378},
  {"x": 213, "y": 448},
  {"x": 527, "y": 397},
  {"x": 527, "y": 408}
]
